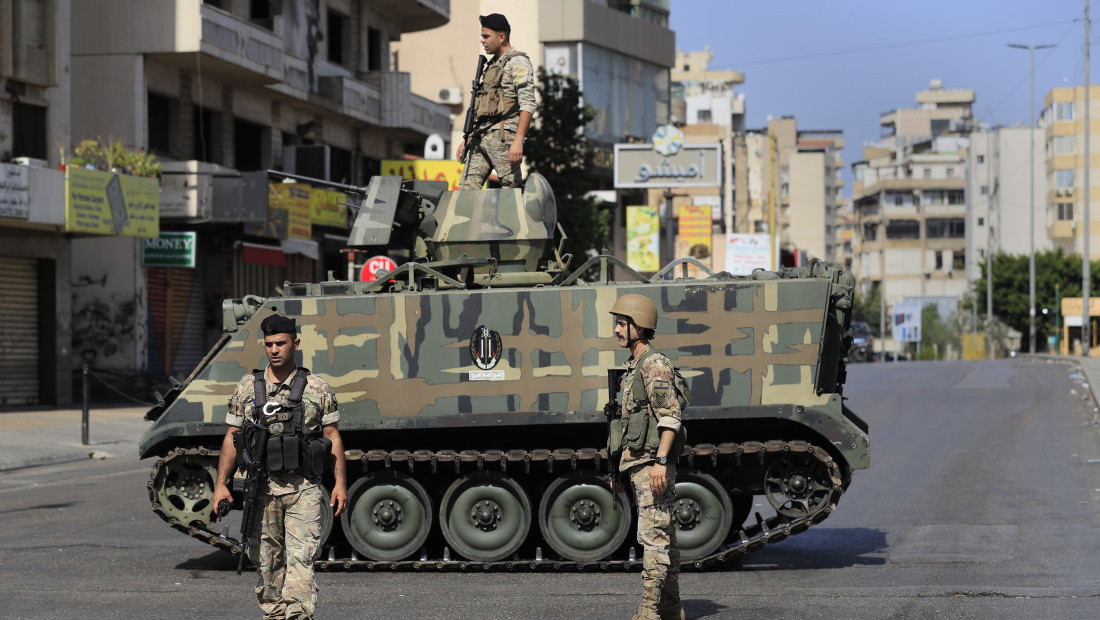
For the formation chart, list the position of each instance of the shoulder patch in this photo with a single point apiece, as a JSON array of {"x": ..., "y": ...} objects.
[{"x": 520, "y": 74}]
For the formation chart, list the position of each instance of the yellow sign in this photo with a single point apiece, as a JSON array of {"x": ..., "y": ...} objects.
[
  {"x": 447, "y": 170},
  {"x": 326, "y": 209},
  {"x": 106, "y": 203},
  {"x": 643, "y": 250},
  {"x": 695, "y": 236},
  {"x": 293, "y": 198}
]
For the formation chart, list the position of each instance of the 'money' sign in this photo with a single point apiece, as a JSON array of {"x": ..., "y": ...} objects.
[{"x": 170, "y": 249}]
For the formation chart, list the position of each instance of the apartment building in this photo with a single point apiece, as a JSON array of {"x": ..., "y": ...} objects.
[
  {"x": 221, "y": 91},
  {"x": 910, "y": 198},
  {"x": 36, "y": 351},
  {"x": 1063, "y": 148}
]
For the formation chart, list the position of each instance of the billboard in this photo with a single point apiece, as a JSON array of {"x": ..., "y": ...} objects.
[
  {"x": 643, "y": 228},
  {"x": 745, "y": 252},
  {"x": 907, "y": 321},
  {"x": 107, "y": 203}
]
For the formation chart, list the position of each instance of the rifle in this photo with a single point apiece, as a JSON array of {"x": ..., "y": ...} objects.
[
  {"x": 253, "y": 456},
  {"x": 468, "y": 126},
  {"x": 612, "y": 410}
]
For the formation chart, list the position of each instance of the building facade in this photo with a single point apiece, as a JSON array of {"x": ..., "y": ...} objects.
[{"x": 1063, "y": 148}]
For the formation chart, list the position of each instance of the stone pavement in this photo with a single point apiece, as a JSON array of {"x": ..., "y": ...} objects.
[{"x": 46, "y": 436}]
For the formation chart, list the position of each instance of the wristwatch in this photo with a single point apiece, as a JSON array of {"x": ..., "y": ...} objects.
[{"x": 661, "y": 460}]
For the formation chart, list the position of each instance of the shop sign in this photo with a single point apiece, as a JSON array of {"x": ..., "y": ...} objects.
[
  {"x": 108, "y": 203},
  {"x": 170, "y": 249}
]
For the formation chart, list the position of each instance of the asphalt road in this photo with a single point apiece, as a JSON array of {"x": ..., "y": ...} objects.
[{"x": 981, "y": 502}]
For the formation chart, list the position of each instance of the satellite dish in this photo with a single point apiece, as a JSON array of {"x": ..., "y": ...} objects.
[{"x": 433, "y": 147}]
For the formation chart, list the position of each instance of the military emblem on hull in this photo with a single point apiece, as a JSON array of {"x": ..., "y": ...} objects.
[{"x": 485, "y": 347}]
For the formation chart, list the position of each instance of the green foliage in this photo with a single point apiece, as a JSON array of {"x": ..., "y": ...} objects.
[
  {"x": 937, "y": 334},
  {"x": 114, "y": 155},
  {"x": 866, "y": 308},
  {"x": 1011, "y": 284},
  {"x": 557, "y": 149}
]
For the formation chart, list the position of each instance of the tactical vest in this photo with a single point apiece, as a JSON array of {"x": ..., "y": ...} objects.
[
  {"x": 639, "y": 426},
  {"x": 492, "y": 102},
  {"x": 291, "y": 447}
]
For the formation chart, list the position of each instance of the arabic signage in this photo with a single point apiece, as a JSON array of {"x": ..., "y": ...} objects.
[
  {"x": 747, "y": 252},
  {"x": 668, "y": 162},
  {"x": 170, "y": 249},
  {"x": 289, "y": 202},
  {"x": 107, "y": 203},
  {"x": 328, "y": 208},
  {"x": 695, "y": 236},
  {"x": 643, "y": 238},
  {"x": 15, "y": 191},
  {"x": 447, "y": 170}
]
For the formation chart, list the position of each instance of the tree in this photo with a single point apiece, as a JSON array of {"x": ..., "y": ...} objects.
[
  {"x": 866, "y": 308},
  {"x": 557, "y": 149},
  {"x": 1011, "y": 289},
  {"x": 936, "y": 334}
]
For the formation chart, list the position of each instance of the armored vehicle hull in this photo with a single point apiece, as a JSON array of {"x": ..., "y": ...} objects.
[{"x": 473, "y": 416}]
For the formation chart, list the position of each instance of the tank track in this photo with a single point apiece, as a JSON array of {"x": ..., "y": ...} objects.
[{"x": 750, "y": 538}]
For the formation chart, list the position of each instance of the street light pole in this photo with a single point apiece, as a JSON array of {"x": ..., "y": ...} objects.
[{"x": 1031, "y": 200}]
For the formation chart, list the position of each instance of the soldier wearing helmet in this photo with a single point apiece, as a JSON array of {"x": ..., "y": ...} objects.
[{"x": 650, "y": 467}]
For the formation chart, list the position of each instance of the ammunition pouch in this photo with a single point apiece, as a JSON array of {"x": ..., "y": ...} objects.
[
  {"x": 291, "y": 448},
  {"x": 295, "y": 454},
  {"x": 615, "y": 437},
  {"x": 639, "y": 431}
]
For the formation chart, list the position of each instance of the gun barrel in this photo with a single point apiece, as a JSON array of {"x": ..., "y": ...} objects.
[{"x": 350, "y": 189}]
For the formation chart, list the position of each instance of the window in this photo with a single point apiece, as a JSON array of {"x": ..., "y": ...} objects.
[
  {"x": 260, "y": 13},
  {"x": 981, "y": 159},
  {"x": 1065, "y": 211},
  {"x": 958, "y": 261},
  {"x": 1063, "y": 178},
  {"x": 163, "y": 123},
  {"x": 28, "y": 131},
  {"x": 956, "y": 197},
  {"x": 702, "y": 116},
  {"x": 897, "y": 199},
  {"x": 928, "y": 173},
  {"x": 1063, "y": 145},
  {"x": 337, "y": 38},
  {"x": 985, "y": 190},
  {"x": 950, "y": 172},
  {"x": 374, "y": 50},
  {"x": 945, "y": 228},
  {"x": 933, "y": 197},
  {"x": 248, "y": 145},
  {"x": 1063, "y": 111},
  {"x": 981, "y": 221},
  {"x": 939, "y": 261},
  {"x": 206, "y": 125},
  {"x": 903, "y": 229}
]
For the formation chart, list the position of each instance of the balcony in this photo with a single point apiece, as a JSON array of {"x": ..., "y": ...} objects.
[
  {"x": 353, "y": 98},
  {"x": 414, "y": 15},
  {"x": 400, "y": 109}
]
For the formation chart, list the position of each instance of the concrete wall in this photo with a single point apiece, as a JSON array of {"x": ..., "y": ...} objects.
[
  {"x": 111, "y": 99},
  {"x": 806, "y": 213}
]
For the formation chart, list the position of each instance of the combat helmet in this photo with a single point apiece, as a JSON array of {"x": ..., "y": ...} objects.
[{"x": 638, "y": 308}]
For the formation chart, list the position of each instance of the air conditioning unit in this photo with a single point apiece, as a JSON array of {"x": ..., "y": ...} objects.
[
  {"x": 450, "y": 95},
  {"x": 30, "y": 162}
]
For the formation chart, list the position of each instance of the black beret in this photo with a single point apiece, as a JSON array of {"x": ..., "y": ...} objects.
[
  {"x": 495, "y": 21},
  {"x": 278, "y": 324}
]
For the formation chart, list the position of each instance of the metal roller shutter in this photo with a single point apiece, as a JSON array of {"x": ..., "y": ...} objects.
[{"x": 19, "y": 341}]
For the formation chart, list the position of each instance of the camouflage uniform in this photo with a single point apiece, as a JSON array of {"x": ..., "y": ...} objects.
[
  {"x": 656, "y": 531},
  {"x": 290, "y": 533},
  {"x": 489, "y": 144}
]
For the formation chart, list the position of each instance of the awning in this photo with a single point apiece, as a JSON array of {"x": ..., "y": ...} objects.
[
  {"x": 257, "y": 254},
  {"x": 305, "y": 247}
]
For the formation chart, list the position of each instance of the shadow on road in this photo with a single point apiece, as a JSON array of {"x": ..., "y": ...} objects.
[
  {"x": 218, "y": 560},
  {"x": 823, "y": 548},
  {"x": 703, "y": 608}
]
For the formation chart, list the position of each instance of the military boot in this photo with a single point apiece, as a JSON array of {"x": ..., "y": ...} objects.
[{"x": 648, "y": 608}]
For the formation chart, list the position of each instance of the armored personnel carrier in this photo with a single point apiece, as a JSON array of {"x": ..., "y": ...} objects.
[{"x": 472, "y": 379}]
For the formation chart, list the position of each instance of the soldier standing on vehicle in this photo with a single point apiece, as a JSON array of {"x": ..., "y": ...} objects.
[
  {"x": 298, "y": 411},
  {"x": 503, "y": 106},
  {"x": 648, "y": 462}
]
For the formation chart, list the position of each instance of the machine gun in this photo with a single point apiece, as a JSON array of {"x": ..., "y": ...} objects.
[
  {"x": 251, "y": 443},
  {"x": 468, "y": 126}
]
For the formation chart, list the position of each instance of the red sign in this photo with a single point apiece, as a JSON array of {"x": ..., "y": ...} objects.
[{"x": 375, "y": 264}]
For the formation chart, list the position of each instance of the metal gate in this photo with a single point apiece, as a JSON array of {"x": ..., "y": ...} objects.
[{"x": 19, "y": 341}]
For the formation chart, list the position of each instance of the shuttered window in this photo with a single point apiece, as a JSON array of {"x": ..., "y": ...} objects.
[{"x": 19, "y": 341}]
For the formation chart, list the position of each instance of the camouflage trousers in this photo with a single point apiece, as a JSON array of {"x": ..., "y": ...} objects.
[
  {"x": 289, "y": 539},
  {"x": 490, "y": 152},
  {"x": 657, "y": 533}
]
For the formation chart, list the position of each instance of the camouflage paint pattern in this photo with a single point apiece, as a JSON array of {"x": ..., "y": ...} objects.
[
  {"x": 289, "y": 539},
  {"x": 753, "y": 350},
  {"x": 487, "y": 153},
  {"x": 657, "y": 537}
]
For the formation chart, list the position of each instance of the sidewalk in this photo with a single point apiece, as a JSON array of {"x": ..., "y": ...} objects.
[{"x": 47, "y": 436}]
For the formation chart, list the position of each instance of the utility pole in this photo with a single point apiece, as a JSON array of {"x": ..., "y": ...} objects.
[
  {"x": 1031, "y": 199},
  {"x": 989, "y": 245},
  {"x": 1086, "y": 268}
]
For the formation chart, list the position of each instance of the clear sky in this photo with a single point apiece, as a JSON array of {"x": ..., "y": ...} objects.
[{"x": 839, "y": 65}]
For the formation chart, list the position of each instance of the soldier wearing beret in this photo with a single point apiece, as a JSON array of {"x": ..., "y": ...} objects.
[
  {"x": 503, "y": 106},
  {"x": 300, "y": 411}
]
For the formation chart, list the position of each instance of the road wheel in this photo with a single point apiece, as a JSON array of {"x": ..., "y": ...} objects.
[
  {"x": 184, "y": 488},
  {"x": 389, "y": 516},
  {"x": 702, "y": 512},
  {"x": 797, "y": 484},
  {"x": 581, "y": 519},
  {"x": 485, "y": 516}
]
